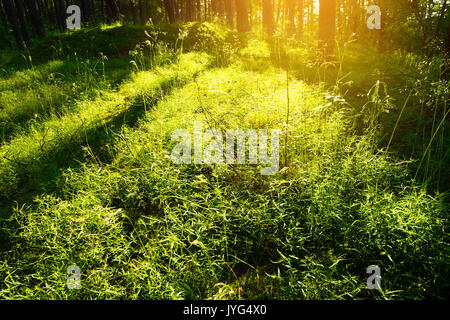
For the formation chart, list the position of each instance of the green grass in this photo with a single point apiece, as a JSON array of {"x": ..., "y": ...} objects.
[{"x": 91, "y": 181}]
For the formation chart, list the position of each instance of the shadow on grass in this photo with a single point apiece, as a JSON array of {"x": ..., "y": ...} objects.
[
  {"x": 39, "y": 176},
  {"x": 70, "y": 78},
  {"x": 40, "y": 179}
]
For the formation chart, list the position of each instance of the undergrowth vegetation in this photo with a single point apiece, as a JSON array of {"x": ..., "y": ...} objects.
[{"x": 86, "y": 176}]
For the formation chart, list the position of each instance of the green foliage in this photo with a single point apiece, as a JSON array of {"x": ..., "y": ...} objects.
[{"x": 89, "y": 181}]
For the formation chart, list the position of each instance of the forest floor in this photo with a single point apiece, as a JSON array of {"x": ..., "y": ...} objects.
[{"x": 87, "y": 179}]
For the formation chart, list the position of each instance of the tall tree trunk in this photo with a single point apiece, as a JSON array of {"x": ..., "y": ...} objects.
[
  {"x": 189, "y": 13},
  {"x": 382, "y": 45},
  {"x": 102, "y": 8},
  {"x": 170, "y": 10},
  {"x": 116, "y": 9},
  {"x": 290, "y": 6},
  {"x": 4, "y": 24},
  {"x": 230, "y": 12},
  {"x": 441, "y": 17},
  {"x": 141, "y": 12},
  {"x": 221, "y": 8},
  {"x": 112, "y": 11},
  {"x": 23, "y": 24},
  {"x": 2, "y": 13},
  {"x": 85, "y": 11},
  {"x": 133, "y": 10},
  {"x": 36, "y": 21},
  {"x": 268, "y": 16},
  {"x": 301, "y": 16},
  {"x": 354, "y": 16},
  {"x": 242, "y": 15},
  {"x": 327, "y": 25},
  {"x": 198, "y": 10},
  {"x": 214, "y": 6},
  {"x": 11, "y": 14},
  {"x": 217, "y": 7},
  {"x": 60, "y": 14}
]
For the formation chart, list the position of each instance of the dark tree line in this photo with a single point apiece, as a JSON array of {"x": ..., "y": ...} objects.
[{"x": 28, "y": 19}]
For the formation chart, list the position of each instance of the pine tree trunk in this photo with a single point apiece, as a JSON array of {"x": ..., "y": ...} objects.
[
  {"x": 141, "y": 12},
  {"x": 11, "y": 14},
  {"x": 268, "y": 16},
  {"x": 189, "y": 13},
  {"x": 221, "y": 8},
  {"x": 112, "y": 11},
  {"x": 170, "y": 10},
  {"x": 242, "y": 16},
  {"x": 59, "y": 15},
  {"x": 85, "y": 11},
  {"x": 23, "y": 24},
  {"x": 301, "y": 16},
  {"x": 290, "y": 6},
  {"x": 198, "y": 10},
  {"x": 327, "y": 25},
  {"x": 230, "y": 13},
  {"x": 36, "y": 21},
  {"x": 133, "y": 10},
  {"x": 2, "y": 15},
  {"x": 4, "y": 23}
]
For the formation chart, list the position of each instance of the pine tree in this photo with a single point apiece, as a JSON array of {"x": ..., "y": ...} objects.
[
  {"x": 327, "y": 25},
  {"x": 11, "y": 14},
  {"x": 268, "y": 16}
]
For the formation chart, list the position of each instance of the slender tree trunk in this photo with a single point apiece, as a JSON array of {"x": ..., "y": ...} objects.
[
  {"x": 170, "y": 10},
  {"x": 301, "y": 16},
  {"x": 102, "y": 9},
  {"x": 141, "y": 12},
  {"x": 268, "y": 16},
  {"x": 4, "y": 23},
  {"x": 213, "y": 6},
  {"x": 109, "y": 14},
  {"x": 36, "y": 21},
  {"x": 242, "y": 15},
  {"x": 354, "y": 16},
  {"x": 198, "y": 10},
  {"x": 11, "y": 14},
  {"x": 290, "y": 6},
  {"x": 441, "y": 17},
  {"x": 87, "y": 10},
  {"x": 189, "y": 13},
  {"x": 23, "y": 25},
  {"x": 3, "y": 16},
  {"x": 327, "y": 25},
  {"x": 84, "y": 11},
  {"x": 116, "y": 9},
  {"x": 133, "y": 10},
  {"x": 112, "y": 11},
  {"x": 221, "y": 8},
  {"x": 230, "y": 13},
  {"x": 59, "y": 15},
  {"x": 381, "y": 37},
  {"x": 277, "y": 20}
]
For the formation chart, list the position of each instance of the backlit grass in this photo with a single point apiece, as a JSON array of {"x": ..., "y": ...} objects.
[{"x": 95, "y": 186}]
